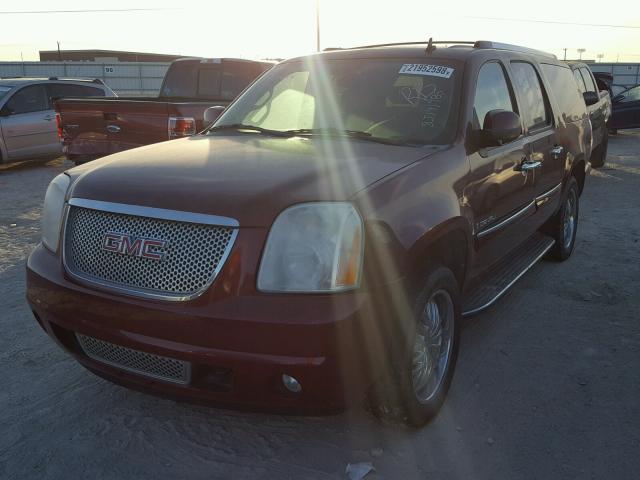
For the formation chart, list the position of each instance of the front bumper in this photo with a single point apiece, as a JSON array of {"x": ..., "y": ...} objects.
[{"x": 238, "y": 346}]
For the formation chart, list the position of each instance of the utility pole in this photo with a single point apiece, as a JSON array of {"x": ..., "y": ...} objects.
[
  {"x": 318, "y": 25},
  {"x": 565, "y": 53},
  {"x": 59, "y": 54},
  {"x": 600, "y": 57},
  {"x": 581, "y": 51}
]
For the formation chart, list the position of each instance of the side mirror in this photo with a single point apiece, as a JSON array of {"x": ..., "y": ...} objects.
[
  {"x": 591, "y": 98},
  {"x": 499, "y": 127},
  {"x": 211, "y": 114}
]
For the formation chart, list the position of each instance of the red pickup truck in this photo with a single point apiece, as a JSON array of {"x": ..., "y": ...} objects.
[{"x": 93, "y": 128}]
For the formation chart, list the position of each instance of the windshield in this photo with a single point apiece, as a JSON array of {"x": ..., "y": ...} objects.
[
  {"x": 388, "y": 99},
  {"x": 4, "y": 91}
]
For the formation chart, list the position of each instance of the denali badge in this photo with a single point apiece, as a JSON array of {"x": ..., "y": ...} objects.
[{"x": 151, "y": 248}]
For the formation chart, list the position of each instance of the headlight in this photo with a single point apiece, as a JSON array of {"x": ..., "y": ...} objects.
[
  {"x": 52, "y": 212},
  {"x": 313, "y": 247}
]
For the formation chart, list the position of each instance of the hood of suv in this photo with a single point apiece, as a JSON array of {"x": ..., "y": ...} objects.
[{"x": 247, "y": 177}]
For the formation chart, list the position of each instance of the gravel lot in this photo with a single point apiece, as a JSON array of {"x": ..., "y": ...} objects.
[{"x": 547, "y": 384}]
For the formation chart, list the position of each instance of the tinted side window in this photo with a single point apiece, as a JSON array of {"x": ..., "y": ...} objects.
[
  {"x": 632, "y": 95},
  {"x": 492, "y": 93},
  {"x": 29, "y": 99},
  {"x": 580, "y": 81},
  {"x": 530, "y": 90},
  {"x": 563, "y": 87},
  {"x": 588, "y": 81},
  {"x": 65, "y": 90}
]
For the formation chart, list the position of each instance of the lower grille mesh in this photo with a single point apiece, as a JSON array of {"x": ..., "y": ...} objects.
[{"x": 142, "y": 363}]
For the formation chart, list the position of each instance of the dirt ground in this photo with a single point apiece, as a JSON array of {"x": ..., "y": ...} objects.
[{"x": 547, "y": 384}]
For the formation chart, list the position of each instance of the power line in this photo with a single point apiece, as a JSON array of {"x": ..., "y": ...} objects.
[
  {"x": 552, "y": 22},
  {"x": 104, "y": 10}
]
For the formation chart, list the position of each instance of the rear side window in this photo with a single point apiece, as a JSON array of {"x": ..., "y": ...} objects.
[
  {"x": 580, "y": 81},
  {"x": 588, "y": 81},
  {"x": 4, "y": 91},
  {"x": 563, "y": 87},
  {"x": 66, "y": 90},
  {"x": 28, "y": 99},
  {"x": 631, "y": 95},
  {"x": 528, "y": 84},
  {"x": 492, "y": 93}
]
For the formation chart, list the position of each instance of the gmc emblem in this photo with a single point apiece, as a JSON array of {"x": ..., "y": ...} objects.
[{"x": 151, "y": 248}]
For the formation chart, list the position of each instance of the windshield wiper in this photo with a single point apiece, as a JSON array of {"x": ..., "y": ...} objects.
[
  {"x": 254, "y": 128},
  {"x": 328, "y": 131},
  {"x": 354, "y": 134},
  {"x": 316, "y": 131}
]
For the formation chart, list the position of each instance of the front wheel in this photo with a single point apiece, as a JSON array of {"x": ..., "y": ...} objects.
[
  {"x": 415, "y": 388},
  {"x": 565, "y": 224}
]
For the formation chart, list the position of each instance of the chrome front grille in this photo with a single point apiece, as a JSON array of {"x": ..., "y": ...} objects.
[
  {"x": 142, "y": 363},
  {"x": 192, "y": 257}
]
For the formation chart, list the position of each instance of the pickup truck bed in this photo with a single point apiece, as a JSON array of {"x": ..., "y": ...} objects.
[{"x": 93, "y": 128}]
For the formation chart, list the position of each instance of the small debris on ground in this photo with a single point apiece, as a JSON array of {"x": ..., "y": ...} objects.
[
  {"x": 357, "y": 471},
  {"x": 376, "y": 452}
]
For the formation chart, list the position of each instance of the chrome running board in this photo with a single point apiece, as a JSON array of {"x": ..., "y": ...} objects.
[{"x": 505, "y": 274}]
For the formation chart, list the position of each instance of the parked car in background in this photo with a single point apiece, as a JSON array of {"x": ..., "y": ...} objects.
[
  {"x": 93, "y": 128},
  {"x": 598, "y": 102},
  {"x": 626, "y": 110},
  {"x": 28, "y": 127},
  {"x": 325, "y": 236}
]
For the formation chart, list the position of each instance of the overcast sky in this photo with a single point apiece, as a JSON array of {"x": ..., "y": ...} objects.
[{"x": 285, "y": 28}]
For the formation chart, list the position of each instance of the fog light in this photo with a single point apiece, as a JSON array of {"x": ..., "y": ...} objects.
[{"x": 291, "y": 384}]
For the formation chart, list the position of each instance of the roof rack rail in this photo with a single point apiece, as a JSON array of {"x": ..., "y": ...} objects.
[
  {"x": 399, "y": 44},
  {"x": 478, "y": 44},
  {"x": 78, "y": 79},
  {"x": 482, "y": 44}
]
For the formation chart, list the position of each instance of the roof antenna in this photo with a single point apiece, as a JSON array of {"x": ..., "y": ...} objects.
[{"x": 430, "y": 47}]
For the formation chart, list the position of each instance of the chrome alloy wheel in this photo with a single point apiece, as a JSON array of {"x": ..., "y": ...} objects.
[
  {"x": 432, "y": 346},
  {"x": 570, "y": 218}
]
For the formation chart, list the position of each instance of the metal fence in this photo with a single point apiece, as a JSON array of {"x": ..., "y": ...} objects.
[
  {"x": 124, "y": 78},
  {"x": 625, "y": 75}
]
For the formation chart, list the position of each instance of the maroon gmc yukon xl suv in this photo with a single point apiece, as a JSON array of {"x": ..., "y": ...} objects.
[{"x": 319, "y": 244}]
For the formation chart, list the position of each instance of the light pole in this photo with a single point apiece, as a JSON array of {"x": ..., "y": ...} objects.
[
  {"x": 581, "y": 51},
  {"x": 318, "y": 25},
  {"x": 565, "y": 53},
  {"x": 600, "y": 57}
]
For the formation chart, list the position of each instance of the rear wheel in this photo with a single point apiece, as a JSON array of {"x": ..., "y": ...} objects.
[
  {"x": 565, "y": 223},
  {"x": 415, "y": 388}
]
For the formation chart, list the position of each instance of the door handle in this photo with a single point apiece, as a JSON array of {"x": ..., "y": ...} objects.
[
  {"x": 527, "y": 165},
  {"x": 557, "y": 150},
  {"x": 113, "y": 129}
]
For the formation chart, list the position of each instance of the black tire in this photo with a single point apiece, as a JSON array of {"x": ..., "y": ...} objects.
[
  {"x": 395, "y": 397},
  {"x": 599, "y": 156},
  {"x": 564, "y": 236},
  {"x": 613, "y": 131}
]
